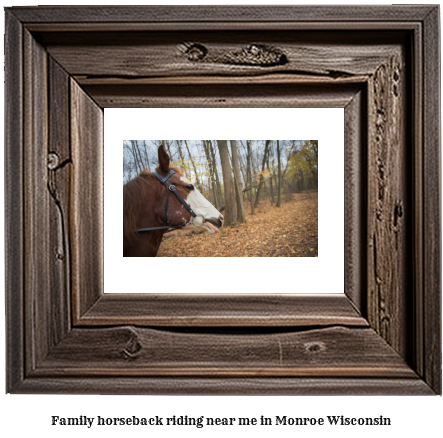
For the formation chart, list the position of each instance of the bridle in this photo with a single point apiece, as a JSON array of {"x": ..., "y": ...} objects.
[{"x": 197, "y": 219}]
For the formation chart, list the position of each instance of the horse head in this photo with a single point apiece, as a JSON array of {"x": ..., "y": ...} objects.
[
  {"x": 208, "y": 216},
  {"x": 149, "y": 208}
]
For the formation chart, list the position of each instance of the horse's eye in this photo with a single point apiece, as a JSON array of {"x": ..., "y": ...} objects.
[{"x": 189, "y": 187}]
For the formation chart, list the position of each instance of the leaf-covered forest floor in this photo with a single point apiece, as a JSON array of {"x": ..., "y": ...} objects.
[{"x": 288, "y": 231}]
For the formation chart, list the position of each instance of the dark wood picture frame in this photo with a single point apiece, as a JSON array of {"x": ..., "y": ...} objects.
[{"x": 64, "y": 65}]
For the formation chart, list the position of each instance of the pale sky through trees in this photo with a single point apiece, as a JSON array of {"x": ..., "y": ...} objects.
[{"x": 148, "y": 152}]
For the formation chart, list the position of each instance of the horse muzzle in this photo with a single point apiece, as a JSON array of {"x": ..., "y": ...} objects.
[{"x": 218, "y": 223}]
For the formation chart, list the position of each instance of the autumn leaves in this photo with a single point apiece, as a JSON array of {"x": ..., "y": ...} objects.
[{"x": 290, "y": 231}]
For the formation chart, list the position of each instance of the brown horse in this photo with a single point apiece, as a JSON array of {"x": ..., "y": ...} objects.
[{"x": 146, "y": 204}]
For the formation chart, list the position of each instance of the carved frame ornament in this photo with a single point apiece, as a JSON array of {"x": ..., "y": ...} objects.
[{"x": 64, "y": 65}]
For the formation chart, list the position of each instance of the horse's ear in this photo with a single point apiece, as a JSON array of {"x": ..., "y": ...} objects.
[{"x": 163, "y": 159}]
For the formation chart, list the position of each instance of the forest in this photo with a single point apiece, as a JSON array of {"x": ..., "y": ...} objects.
[{"x": 267, "y": 191}]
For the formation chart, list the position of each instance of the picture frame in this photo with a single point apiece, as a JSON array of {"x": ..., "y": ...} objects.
[{"x": 65, "y": 64}]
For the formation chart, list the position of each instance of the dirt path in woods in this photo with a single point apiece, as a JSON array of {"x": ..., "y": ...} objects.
[{"x": 288, "y": 231}]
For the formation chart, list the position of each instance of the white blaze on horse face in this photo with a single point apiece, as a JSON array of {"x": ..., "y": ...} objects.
[{"x": 202, "y": 206}]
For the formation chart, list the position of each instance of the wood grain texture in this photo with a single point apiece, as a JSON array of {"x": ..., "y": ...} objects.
[
  {"x": 417, "y": 247},
  {"x": 265, "y": 79},
  {"x": 38, "y": 306},
  {"x": 59, "y": 179},
  {"x": 55, "y": 92},
  {"x": 288, "y": 386},
  {"x": 129, "y": 351},
  {"x": 86, "y": 198},
  {"x": 161, "y": 54},
  {"x": 14, "y": 239},
  {"x": 355, "y": 194},
  {"x": 431, "y": 317},
  {"x": 226, "y": 96},
  {"x": 224, "y": 14},
  {"x": 233, "y": 26},
  {"x": 388, "y": 204},
  {"x": 204, "y": 310}
]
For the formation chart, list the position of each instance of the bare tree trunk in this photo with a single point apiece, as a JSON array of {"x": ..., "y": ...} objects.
[
  {"x": 265, "y": 155},
  {"x": 245, "y": 189},
  {"x": 250, "y": 175},
  {"x": 199, "y": 186},
  {"x": 137, "y": 162},
  {"x": 212, "y": 175},
  {"x": 214, "y": 164},
  {"x": 146, "y": 155},
  {"x": 254, "y": 164},
  {"x": 178, "y": 143},
  {"x": 272, "y": 186},
  {"x": 278, "y": 175},
  {"x": 241, "y": 216},
  {"x": 236, "y": 192},
  {"x": 230, "y": 207},
  {"x": 142, "y": 162},
  {"x": 243, "y": 167},
  {"x": 274, "y": 180}
]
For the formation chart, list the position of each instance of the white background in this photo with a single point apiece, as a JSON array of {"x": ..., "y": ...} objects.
[
  {"x": 29, "y": 415},
  {"x": 322, "y": 274}
]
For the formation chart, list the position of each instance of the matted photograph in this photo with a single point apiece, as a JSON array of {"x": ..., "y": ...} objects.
[
  {"x": 220, "y": 198},
  {"x": 180, "y": 198}
]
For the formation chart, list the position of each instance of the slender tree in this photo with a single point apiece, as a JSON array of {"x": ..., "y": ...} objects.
[
  {"x": 211, "y": 174},
  {"x": 214, "y": 164},
  {"x": 263, "y": 167},
  {"x": 179, "y": 147},
  {"x": 242, "y": 163},
  {"x": 128, "y": 166},
  {"x": 248, "y": 142},
  {"x": 254, "y": 159},
  {"x": 278, "y": 175},
  {"x": 270, "y": 180},
  {"x": 193, "y": 165},
  {"x": 230, "y": 207},
  {"x": 136, "y": 156},
  {"x": 148, "y": 164},
  {"x": 241, "y": 216}
]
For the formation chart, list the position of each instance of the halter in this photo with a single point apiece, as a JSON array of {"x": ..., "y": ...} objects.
[{"x": 171, "y": 187}]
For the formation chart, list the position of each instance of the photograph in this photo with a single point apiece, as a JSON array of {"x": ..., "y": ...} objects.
[{"x": 255, "y": 198}]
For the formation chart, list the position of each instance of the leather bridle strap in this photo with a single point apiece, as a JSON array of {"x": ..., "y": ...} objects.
[
  {"x": 172, "y": 188},
  {"x": 169, "y": 187}
]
